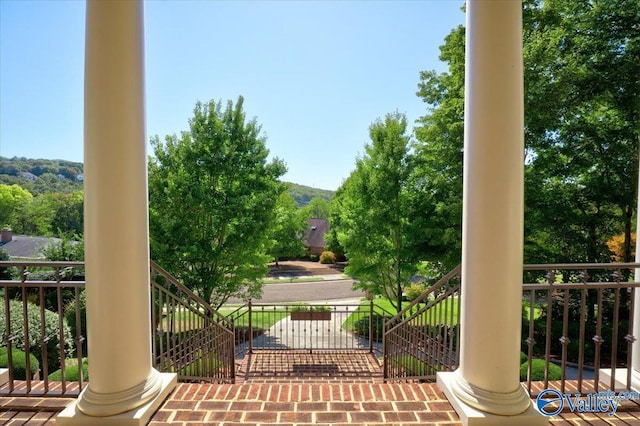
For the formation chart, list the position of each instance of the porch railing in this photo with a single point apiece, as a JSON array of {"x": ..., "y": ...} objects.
[
  {"x": 43, "y": 325},
  {"x": 261, "y": 326},
  {"x": 190, "y": 337},
  {"x": 43, "y": 336},
  {"x": 578, "y": 326},
  {"x": 424, "y": 337}
]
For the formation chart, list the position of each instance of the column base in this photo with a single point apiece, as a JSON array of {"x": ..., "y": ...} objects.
[
  {"x": 72, "y": 416},
  {"x": 470, "y": 416},
  {"x": 621, "y": 379}
]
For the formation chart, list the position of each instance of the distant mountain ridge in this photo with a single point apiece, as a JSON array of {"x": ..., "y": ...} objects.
[{"x": 62, "y": 176}]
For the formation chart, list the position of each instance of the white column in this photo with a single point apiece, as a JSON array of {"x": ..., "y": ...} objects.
[
  {"x": 121, "y": 377},
  {"x": 635, "y": 360},
  {"x": 487, "y": 382}
]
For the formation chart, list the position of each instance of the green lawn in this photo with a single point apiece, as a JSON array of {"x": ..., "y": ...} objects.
[
  {"x": 384, "y": 307},
  {"x": 263, "y": 319}
]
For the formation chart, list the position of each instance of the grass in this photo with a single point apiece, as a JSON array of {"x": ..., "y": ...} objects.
[
  {"x": 259, "y": 318},
  {"x": 384, "y": 307}
]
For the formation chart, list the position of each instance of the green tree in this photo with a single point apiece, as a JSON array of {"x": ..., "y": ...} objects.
[
  {"x": 317, "y": 208},
  {"x": 582, "y": 124},
  {"x": 213, "y": 197},
  {"x": 12, "y": 200},
  {"x": 439, "y": 160},
  {"x": 378, "y": 225},
  {"x": 288, "y": 229}
]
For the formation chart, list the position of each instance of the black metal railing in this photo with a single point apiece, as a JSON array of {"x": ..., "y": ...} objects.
[
  {"x": 262, "y": 326},
  {"x": 424, "y": 337},
  {"x": 43, "y": 335},
  {"x": 190, "y": 337}
]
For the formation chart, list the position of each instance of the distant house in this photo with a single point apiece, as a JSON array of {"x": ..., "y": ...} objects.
[
  {"x": 24, "y": 247},
  {"x": 28, "y": 176},
  {"x": 314, "y": 240}
]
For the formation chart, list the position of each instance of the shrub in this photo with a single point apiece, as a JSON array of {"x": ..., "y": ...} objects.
[
  {"x": 71, "y": 372},
  {"x": 19, "y": 362},
  {"x": 413, "y": 291},
  {"x": 361, "y": 327},
  {"x": 51, "y": 329},
  {"x": 313, "y": 257},
  {"x": 327, "y": 257},
  {"x": 537, "y": 370},
  {"x": 70, "y": 316},
  {"x": 523, "y": 358}
]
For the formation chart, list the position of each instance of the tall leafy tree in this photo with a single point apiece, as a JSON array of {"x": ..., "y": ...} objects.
[
  {"x": 288, "y": 229},
  {"x": 12, "y": 200},
  {"x": 582, "y": 124},
  {"x": 213, "y": 198},
  {"x": 377, "y": 227},
  {"x": 317, "y": 208}
]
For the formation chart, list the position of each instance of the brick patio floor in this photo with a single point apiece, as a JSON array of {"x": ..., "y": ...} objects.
[{"x": 303, "y": 389}]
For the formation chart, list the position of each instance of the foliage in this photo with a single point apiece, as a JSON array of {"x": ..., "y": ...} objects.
[
  {"x": 414, "y": 291},
  {"x": 71, "y": 372},
  {"x": 378, "y": 226},
  {"x": 318, "y": 208},
  {"x": 66, "y": 250},
  {"x": 313, "y": 257},
  {"x": 582, "y": 129},
  {"x": 538, "y": 367},
  {"x": 5, "y": 273},
  {"x": 582, "y": 126},
  {"x": 304, "y": 194},
  {"x": 361, "y": 327},
  {"x": 288, "y": 229},
  {"x": 52, "y": 175},
  {"x": 439, "y": 159},
  {"x": 622, "y": 248},
  {"x": 52, "y": 332},
  {"x": 218, "y": 173},
  {"x": 12, "y": 200},
  {"x": 70, "y": 317},
  {"x": 19, "y": 362},
  {"x": 523, "y": 358},
  {"x": 327, "y": 257},
  {"x": 412, "y": 366}
]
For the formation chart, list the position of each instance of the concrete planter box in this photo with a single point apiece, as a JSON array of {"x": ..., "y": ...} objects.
[{"x": 311, "y": 316}]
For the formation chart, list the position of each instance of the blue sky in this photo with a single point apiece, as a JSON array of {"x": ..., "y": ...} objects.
[{"x": 315, "y": 75}]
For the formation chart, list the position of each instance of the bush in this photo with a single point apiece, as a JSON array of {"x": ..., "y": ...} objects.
[
  {"x": 537, "y": 370},
  {"x": 71, "y": 372},
  {"x": 361, "y": 327},
  {"x": 413, "y": 291},
  {"x": 523, "y": 358},
  {"x": 313, "y": 257},
  {"x": 51, "y": 329},
  {"x": 70, "y": 316},
  {"x": 327, "y": 257},
  {"x": 19, "y": 362}
]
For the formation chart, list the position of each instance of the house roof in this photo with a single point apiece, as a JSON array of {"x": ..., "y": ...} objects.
[
  {"x": 315, "y": 232},
  {"x": 23, "y": 246}
]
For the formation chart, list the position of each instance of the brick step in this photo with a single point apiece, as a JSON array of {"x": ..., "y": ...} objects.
[{"x": 302, "y": 404}]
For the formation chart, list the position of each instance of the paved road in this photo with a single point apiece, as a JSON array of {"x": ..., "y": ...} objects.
[{"x": 307, "y": 292}]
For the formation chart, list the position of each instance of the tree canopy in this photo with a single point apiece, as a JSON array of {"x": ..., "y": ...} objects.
[
  {"x": 212, "y": 203},
  {"x": 377, "y": 225}
]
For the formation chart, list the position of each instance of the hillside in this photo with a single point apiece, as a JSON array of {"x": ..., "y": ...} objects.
[
  {"x": 40, "y": 175},
  {"x": 303, "y": 194}
]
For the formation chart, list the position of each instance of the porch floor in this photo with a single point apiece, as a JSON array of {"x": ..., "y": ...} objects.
[{"x": 302, "y": 388}]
